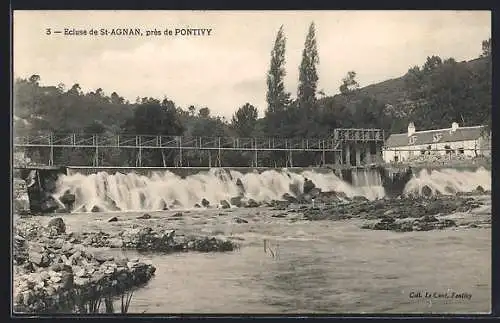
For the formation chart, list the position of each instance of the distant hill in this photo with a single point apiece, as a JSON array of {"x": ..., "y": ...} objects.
[{"x": 393, "y": 91}]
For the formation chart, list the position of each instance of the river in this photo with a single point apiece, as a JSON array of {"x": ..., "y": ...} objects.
[{"x": 321, "y": 267}]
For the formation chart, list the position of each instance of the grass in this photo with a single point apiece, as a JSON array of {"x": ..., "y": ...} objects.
[
  {"x": 92, "y": 302},
  {"x": 268, "y": 249}
]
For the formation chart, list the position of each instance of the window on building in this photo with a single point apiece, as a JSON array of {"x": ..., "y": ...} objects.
[
  {"x": 396, "y": 159},
  {"x": 461, "y": 151},
  {"x": 412, "y": 140},
  {"x": 448, "y": 149}
]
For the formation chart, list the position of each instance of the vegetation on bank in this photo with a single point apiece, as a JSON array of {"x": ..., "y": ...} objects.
[{"x": 434, "y": 95}]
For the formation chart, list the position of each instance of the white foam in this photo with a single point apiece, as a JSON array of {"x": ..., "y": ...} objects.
[
  {"x": 133, "y": 192},
  {"x": 449, "y": 181}
]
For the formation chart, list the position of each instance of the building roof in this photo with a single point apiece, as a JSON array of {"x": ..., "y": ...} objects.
[{"x": 434, "y": 136}]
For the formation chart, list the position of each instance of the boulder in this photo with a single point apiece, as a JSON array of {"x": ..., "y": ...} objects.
[
  {"x": 113, "y": 219},
  {"x": 38, "y": 258},
  {"x": 102, "y": 256},
  {"x": 115, "y": 243},
  {"x": 305, "y": 198},
  {"x": 144, "y": 216},
  {"x": 163, "y": 205},
  {"x": 308, "y": 186},
  {"x": 426, "y": 191},
  {"x": 67, "y": 198},
  {"x": 96, "y": 209},
  {"x": 289, "y": 198},
  {"x": 428, "y": 218},
  {"x": 205, "y": 202},
  {"x": 342, "y": 195},
  {"x": 58, "y": 225},
  {"x": 176, "y": 203},
  {"x": 252, "y": 203},
  {"x": 379, "y": 204},
  {"x": 315, "y": 192},
  {"x": 328, "y": 197},
  {"x": 387, "y": 219},
  {"x": 112, "y": 206},
  {"x": 197, "y": 206},
  {"x": 404, "y": 226},
  {"x": 225, "y": 204},
  {"x": 240, "y": 220},
  {"x": 236, "y": 201},
  {"x": 480, "y": 190}
]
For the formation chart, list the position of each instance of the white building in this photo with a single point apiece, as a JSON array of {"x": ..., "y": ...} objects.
[{"x": 462, "y": 141}]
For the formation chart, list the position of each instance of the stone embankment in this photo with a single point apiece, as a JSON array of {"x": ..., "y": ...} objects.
[{"x": 56, "y": 271}]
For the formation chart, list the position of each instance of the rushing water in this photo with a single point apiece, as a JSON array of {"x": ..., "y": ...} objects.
[
  {"x": 321, "y": 267},
  {"x": 133, "y": 192},
  {"x": 450, "y": 181}
]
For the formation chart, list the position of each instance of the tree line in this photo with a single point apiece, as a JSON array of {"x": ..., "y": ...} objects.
[{"x": 436, "y": 94}]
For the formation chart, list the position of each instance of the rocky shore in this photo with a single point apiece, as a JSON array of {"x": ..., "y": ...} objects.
[
  {"x": 403, "y": 214},
  {"x": 60, "y": 271}
]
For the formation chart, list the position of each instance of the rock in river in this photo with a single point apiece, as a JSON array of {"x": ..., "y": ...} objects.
[
  {"x": 426, "y": 191},
  {"x": 240, "y": 220},
  {"x": 58, "y": 225},
  {"x": 144, "y": 216},
  {"x": 308, "y": 186},
  {"x": 205, "y": 202},
  {"x": 225, "y": 204}
]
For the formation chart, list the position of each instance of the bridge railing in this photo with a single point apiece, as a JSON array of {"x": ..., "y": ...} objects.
[
  {"x": 185, "y": 142},
  {"x": 199, "y": 143}
]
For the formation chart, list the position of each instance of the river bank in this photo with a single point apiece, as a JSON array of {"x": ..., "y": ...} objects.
[{"x": 58, "y": 270}]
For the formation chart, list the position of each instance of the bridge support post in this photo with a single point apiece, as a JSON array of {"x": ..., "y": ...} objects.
[
  {"x": 368, "y": 155},
  {"x": 358, "y": 155},
  {"x": 138, "y": 160},
  {"x": 348, "y": 155},
  {"x": 324, "y": 153},
  {"x": 338, "y": 157},
  {"x": 218, "y": 164},
  {"x": 51, "y": 157},
  {"x": 378, "y": 153},
  {"x": 289, "y": 159},
  {"x": 96, "y": 154},
  {"x": 180, "y": 151}
]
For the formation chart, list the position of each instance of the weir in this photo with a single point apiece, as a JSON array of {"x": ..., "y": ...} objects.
[{"x": 149, "y": 189}]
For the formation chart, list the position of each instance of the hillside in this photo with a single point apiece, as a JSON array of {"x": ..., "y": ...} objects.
[
  {"x": 433, "y": 96},
  {"x": 395, "y": 92}
]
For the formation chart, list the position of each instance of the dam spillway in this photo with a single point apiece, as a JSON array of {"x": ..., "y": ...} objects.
[{"x": 150, "y": 189}]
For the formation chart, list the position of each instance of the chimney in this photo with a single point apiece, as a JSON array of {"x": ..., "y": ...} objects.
[
  {"x": 411, "y": 129},
  {"x": 454, "y": 127}
]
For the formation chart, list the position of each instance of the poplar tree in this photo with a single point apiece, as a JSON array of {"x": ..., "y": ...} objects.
[
  {"x": 308, "y": 76},
  {"x": 277, "y": 98}
]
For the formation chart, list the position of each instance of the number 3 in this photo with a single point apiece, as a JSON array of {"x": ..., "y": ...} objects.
[{"x": 47, "y": 31}]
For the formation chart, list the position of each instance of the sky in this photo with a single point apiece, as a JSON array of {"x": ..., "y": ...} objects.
[{"x": 227, "y": 68}]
